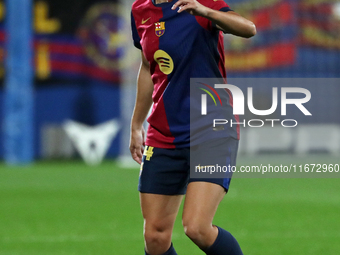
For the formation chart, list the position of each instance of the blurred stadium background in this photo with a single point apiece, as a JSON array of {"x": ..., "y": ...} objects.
[{"x": 74, "y": 60}]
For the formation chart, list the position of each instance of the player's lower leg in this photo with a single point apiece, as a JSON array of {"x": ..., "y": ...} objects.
[
  {"x": 225, "y": 244},
  {"x": 200, "y": 205},
  {"x": 171, "y": 251},
  {"x": 158, "y": 242},
  {"x": 159, "y": 213},
  {"x": 213, "y": 240}
]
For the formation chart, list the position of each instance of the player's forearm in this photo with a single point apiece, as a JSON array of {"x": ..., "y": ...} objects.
[
  {"x": 231, "y": 22},
  {"x": 143, "y": 99}
]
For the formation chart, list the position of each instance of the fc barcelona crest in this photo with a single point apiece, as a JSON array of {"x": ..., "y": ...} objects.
[{"x": 160, "y": 28}]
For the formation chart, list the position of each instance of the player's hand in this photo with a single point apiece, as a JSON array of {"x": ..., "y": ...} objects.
[
  {"x": 191, "y": 6},
  {"x": 137, "y": 143}
]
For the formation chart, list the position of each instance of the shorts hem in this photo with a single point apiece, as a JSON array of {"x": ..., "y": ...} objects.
[
  {"x": 209, "y": 181},
  {"x": 162, "y": 193}
]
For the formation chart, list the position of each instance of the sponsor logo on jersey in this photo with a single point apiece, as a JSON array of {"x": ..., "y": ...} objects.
[
  {"x": 160, "y": 28},
  {"x": 145, "y": 20},
  {"x": 165, "y": 62}
]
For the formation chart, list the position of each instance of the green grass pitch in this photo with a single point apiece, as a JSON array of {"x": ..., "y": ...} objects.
[{"x": 67, "y": 208}]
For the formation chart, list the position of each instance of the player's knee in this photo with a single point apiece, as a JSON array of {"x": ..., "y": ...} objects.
[
  {"x": 195, "y": 230},
  {"x": 158, "y": 239},
  {"x": 157, "y": 235}
]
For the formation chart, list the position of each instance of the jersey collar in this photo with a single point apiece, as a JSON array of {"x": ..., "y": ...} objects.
[{"x": 162, "y": 4}]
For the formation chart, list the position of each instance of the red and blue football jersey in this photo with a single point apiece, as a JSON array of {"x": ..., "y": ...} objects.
[{"x": 178, "y": 46}]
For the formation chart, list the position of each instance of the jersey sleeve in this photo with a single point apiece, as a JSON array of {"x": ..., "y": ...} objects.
[
  {"x": 135, "y": 36},
  {"x": 218, "y": 5}
]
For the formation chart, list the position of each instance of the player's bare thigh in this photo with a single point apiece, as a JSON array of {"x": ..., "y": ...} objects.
[{"x": 159, "y": 213}]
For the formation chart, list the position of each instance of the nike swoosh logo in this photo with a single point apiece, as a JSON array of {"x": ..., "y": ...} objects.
[{"x": 145, "y": 20}]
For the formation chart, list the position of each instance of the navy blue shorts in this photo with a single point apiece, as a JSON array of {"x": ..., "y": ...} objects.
[{"x": 167, "y": 171}]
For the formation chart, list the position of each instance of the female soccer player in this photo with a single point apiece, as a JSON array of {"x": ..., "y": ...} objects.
[{"x": 179, "y": 40}]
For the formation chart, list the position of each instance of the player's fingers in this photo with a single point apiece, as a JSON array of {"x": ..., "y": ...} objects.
[
  {"x": 136, "y": 156},
  {"x": 132, "y": 149},
  {"x": 184, "y": 8},
  {"x": 139, "y": 152},
  {"x": 137, "y": 159},
  {"x": 139, "y": 155},
  {"x": 134, "y": 152},
  {"x": 178, "y": 4}
]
